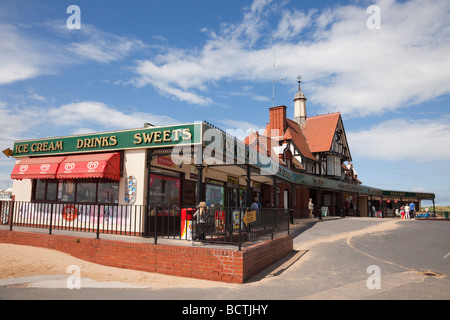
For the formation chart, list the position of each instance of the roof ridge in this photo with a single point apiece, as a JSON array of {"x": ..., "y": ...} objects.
[{"x": 325, "y": 115}]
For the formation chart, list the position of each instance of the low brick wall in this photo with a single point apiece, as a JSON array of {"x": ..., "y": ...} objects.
[{"x": 196, "y": 262}]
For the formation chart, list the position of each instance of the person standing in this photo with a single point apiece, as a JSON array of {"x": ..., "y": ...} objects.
[
  {"x": 200, "y": 216},
  {"x": 255, "y": 206},
  {"x": 311, "y": 208},
  {"x": 407, "y": 211},
  {"x": 412, "y": 209}
]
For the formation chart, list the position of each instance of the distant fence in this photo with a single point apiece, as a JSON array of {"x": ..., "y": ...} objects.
[{"x": 237, "y": 226}]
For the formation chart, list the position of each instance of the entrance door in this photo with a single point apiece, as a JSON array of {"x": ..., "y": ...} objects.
[{"x": 233, "y": 198}]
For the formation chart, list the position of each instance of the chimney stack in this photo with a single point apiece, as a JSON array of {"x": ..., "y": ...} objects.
[{"x": 278, "y": 119}]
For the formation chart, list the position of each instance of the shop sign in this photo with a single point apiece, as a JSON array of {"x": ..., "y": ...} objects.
[
  {"x": 70, "y": 212},
  {"x": 249, "y": 216},
  {"x": 419, "y": 195},
  {"x": 215, "y": 182},
  {"x": 154, "y": 137},
  {"x": 232, "y": 182}
]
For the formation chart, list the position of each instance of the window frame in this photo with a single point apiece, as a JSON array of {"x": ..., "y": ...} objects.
[{"x": 59, "y": 183}]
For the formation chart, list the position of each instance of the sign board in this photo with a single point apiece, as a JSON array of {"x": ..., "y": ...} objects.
[
  {"x": 152, "y": 137},
  {"x": 249, "y": 216}
]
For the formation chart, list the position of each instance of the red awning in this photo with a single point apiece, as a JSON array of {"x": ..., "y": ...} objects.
[
  {"x": 37, "y": 168},
  {"x": 96, "y": 165}
]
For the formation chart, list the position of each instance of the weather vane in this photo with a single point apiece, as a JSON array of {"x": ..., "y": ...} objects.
[{"x": 299, "y": 78}]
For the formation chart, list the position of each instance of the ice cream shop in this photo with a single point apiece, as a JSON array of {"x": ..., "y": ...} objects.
[
  {"x": 143, "y": 181},
  {"x": 194, "y": 181}
]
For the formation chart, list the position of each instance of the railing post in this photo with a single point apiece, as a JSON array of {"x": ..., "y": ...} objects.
[
  {"x": 51, "y": 219},
  {"x": 156, "y": 225},
  {"x": 240, "y": 223},
  {"x": 273, "y": 222},
  {"x": 98, "y": 222},
  {"x": 12, "y": 204}
]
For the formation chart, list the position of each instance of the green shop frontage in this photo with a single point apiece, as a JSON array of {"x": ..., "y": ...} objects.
[{"x": 149, "y": 180}]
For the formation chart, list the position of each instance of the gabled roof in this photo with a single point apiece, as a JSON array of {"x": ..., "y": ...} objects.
[
  {"x": 319, "y": 131},
  {"x": 295, "y": 133}
]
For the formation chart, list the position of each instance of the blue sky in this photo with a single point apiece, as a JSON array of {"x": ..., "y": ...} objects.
[{"x": 167, "y": 62}]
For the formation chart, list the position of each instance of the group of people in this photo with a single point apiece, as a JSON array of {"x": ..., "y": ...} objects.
[{"x": 408, "y": 211}]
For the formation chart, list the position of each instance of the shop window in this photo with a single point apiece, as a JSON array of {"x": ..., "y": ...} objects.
[
  {"x": 86, "y": 192},
  {"x": 45, "y": 190},
  {"x": 215, "y": 193},
  {"x": 108, "y": 192},
  {"x": 333, "y": 166},
  {"x": 52, "y": 189},
  {"x": 40, "y": 190},
  {"x": 66, "y": 191},
  {"x": 164, "y": 191},
  {"x": 78, "y": 191}
]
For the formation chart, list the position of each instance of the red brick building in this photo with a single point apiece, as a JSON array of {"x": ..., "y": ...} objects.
[{"x": 316, "y": 146}]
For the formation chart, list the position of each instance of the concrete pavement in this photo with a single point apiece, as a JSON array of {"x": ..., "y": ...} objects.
[{"x": 330, "y": 261}]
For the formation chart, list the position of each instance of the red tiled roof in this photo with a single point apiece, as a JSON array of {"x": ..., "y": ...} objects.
[
  {"x": 295, "y": 133},
  {"x": 319, "y": 131},
  {"x": 316, "y": 135}
]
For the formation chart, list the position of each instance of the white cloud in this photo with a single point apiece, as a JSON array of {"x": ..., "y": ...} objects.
[
  {"x": 24, "y": 56},
  {"x": 102, "y": 46},
  {"x": 20, "y": 57},
  {"x": 403, "y": 140},
  {"x": 30, "y": 122},
  {"x": 292, "y": 23},
  {"x": 15, "y": 120},
  {"x": 345, "y": 65},
  {"x": 98, "y": 114}
]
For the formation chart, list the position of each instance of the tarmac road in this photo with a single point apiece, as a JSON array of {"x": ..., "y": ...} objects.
[{"x": 342, "y": 258}]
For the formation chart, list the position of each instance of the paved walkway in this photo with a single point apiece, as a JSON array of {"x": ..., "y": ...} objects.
[{"x": 301, "y": 230}]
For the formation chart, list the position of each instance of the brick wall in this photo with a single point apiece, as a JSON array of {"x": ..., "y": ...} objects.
[{"x": 196, "y": 262}]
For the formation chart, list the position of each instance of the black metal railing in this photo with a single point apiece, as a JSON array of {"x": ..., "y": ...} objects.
[
  {"x": 240, "y": 226},
  {"x": 236, "y": 226}
]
